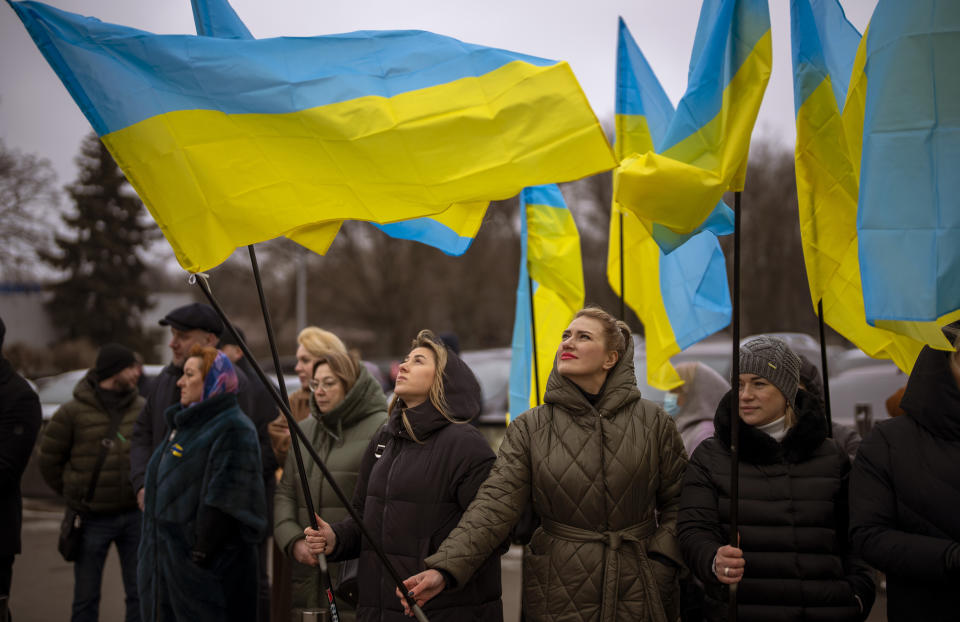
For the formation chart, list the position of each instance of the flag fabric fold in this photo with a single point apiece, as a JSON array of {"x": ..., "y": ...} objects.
[
  {"x": 452, "y": 231},
  {"x": 908, "y": 216},
  {"x": 681, "y": 296},
  {"x": 230, "y": 142},
  {"x": 828, "y": 90},
  {"x": 703, "y": 153},
  {"x": 550, "y": 256}
]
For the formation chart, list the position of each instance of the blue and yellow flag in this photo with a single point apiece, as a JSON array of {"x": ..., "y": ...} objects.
[
  {"x": 452, "y": 231},
  {"x": 908, "y": 216},
  {"x": 550, "y": 256},
  {"x": 230, "y": 142},
  {"x": 704, "y": 150},
  {"x": 827, "y": 80},
  {"x": 680, "y": 297}
]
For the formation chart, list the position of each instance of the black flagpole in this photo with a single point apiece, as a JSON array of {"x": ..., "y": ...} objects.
[
  {"x": 825, "y": 375},
  {"x": 533, "y": 338},
  {"x": 201, "y": 281},
  {"x": 304, "y": 484},
  {"x": 735, "y": 402}
]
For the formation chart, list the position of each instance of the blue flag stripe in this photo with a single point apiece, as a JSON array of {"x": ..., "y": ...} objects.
[{"x": 277, "y": 75}]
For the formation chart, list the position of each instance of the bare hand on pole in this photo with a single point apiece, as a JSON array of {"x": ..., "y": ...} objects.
[
  {"x": 423, "y": 587},
  {"x": 320, "y": 541},
  {"x": 729, "y": 565}
]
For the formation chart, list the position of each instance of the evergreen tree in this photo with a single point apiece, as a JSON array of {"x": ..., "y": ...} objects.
[{"x": 104, "y": 293}]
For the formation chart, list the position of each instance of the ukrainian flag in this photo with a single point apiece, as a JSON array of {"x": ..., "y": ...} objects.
[
  {"x": 230, "y": 142},
  {"x": 452, "y": 231},
  {"x": 550, "y": 256},
  {"x": 680, "y": 297},
  {"x": 908, "y": 216},
  {"x": 825, "y": 60},
  {"x": 704, "y": 151}
]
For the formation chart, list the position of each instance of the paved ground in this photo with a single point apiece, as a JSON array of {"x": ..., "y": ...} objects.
[{"x": 43, "y": 583}]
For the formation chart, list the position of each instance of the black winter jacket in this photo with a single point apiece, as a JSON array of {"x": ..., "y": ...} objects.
[
  {"x": 792, "y": 522},
  {"x": 412, "y": 496},
  {"x": 905, "y": 496},
  {"x": 19, "y": 424}
]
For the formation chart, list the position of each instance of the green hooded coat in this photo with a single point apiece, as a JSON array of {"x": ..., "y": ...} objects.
[
  {"x": 605, "y": 480},
  {"x": 340, "y": 437}
]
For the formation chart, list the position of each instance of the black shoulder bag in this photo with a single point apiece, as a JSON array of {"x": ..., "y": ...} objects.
[{"x": 71, "y": 529}]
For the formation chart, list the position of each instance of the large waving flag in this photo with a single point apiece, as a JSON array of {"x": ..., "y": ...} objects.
[
  {"x": 550, "y": 256},
  {"x": 828, "y": 113},
  {"x": 908, "y": 217},
  {"x": 680, "y": 297},
  {"x": 827, "y": 162},
  {"x": 452, "y": 231},
  {"x": 704, "y": 151},
  {"x": 230, "y": 142}
]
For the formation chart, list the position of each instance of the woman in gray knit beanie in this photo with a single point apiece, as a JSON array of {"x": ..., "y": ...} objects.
[{"x": 792, "y": 560}]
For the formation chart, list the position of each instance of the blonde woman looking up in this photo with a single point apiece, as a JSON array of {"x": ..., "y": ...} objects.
[{"x": 416, "y": 479}]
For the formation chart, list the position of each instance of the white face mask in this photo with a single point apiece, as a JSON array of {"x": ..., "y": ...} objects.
[{"x": 670, "y": 404}]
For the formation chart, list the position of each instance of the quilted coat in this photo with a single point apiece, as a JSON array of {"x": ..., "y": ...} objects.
[
  {"x": 341, "y": 437},
  {"x": 210, "y": 459},
  {"x": 905, "y": 496},
  {"x": 411, "y": 493},
  {"x": 605, "y": 479},
  {"x": 71, "y": 444},
  {"x": 792, "y": 522}
]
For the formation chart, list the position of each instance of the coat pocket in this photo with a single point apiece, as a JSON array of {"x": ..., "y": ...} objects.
[{"x": 536, "y": 576}]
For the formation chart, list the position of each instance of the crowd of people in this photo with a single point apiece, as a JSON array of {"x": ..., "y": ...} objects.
[{"x": 193, "y": 480}]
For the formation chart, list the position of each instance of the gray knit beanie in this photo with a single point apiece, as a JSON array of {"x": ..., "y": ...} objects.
[{"x": 770, "y": 358}]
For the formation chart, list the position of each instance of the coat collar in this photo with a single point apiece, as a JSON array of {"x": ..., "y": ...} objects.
[
  {"x": 619, "y": 390},
  {"x": 756, "y": 447},
  {"x": 181, "y": 417}
]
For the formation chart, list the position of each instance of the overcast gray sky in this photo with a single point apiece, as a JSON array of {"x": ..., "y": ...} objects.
[{"x": 38, "y": 116}]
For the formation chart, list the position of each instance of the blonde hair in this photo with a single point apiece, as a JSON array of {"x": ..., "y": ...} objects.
[
  {"x": 437, "y": 396},
  {"x": 616, "y": 334},
  {"x": 318, "y": 341}
]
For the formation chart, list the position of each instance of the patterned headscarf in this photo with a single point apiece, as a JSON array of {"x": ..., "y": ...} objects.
[{"x": 222, "y": 377}]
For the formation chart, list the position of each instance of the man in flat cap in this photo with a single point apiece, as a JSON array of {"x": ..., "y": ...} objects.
[{"x": 85, "y": 456}]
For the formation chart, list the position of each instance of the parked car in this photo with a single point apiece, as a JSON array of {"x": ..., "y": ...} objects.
[{"x": 858, "y": 395}]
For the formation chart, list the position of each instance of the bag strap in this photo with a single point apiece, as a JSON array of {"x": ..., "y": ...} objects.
[{"x": 106, "y": 443}]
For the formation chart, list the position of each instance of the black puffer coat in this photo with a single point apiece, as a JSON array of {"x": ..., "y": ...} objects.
[
  {"x": 19, "y": 423},
  {"x": 905, "y": 496},
  {"x": 792, "y": 522},
  {"x": 413, "y": 495}
]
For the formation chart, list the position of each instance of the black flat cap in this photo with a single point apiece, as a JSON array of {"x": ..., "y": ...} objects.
[{"x": 194, "y": 316}]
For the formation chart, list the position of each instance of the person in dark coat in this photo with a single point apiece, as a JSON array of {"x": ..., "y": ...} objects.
[
  {"x": 69, "y": 453},
  {"x": 20, "y": 419},
  {"x": 416, "y": 479},
  {"x": 905, "y": 494},
  {"x": 204, "y": 509},
  {"x": 793, "y": 561},
  {"x": 191, "y": 325}
]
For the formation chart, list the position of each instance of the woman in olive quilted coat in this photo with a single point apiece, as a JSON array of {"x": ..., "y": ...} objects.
[{"x": 603, "y": 469}]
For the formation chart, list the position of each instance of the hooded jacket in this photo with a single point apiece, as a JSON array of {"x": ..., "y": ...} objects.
[
  {"x": 792, "y": 522},
  {"x": 905, "y": 496},
  {"x": 411, "y": 493},
  {"x": 605, "y": 479},
  {"x": 72, "y": 443},
  {"x": 341, "y": 437},
  {"x": 700, "y": 395}
]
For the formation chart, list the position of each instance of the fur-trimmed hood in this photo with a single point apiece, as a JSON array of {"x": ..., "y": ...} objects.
[{"x": 757, "y": 447}]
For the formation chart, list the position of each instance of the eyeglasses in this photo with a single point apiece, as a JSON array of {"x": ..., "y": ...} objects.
[{"x": 327, "y": 385}]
